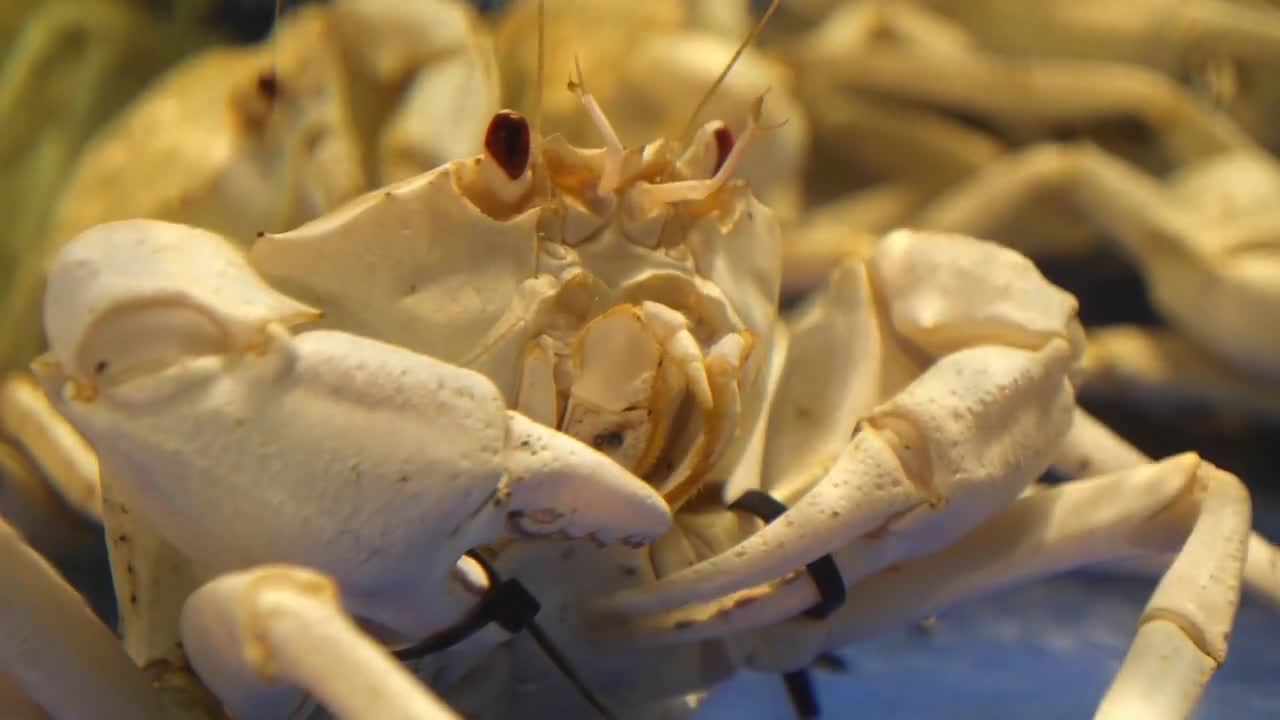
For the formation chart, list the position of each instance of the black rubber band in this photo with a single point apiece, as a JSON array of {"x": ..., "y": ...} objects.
[
  {"x": 826, "y": 577},
  {"x": 800, "y": 690},
  {"x": 824, "y": 571},
  {"x": 507, "y": 603}
]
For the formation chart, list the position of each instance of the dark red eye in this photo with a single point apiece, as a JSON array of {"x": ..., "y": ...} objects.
[
  {"x": 724, "y": 145},
  {"x": 507, "y": 142},
  {"x": 269, "y": 85}
]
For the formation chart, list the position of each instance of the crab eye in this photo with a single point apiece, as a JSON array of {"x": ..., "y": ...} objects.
[
  {"x": 507, "y": 142},
  {"x": 724, "y": 145},
  {"x": 269, "y": 85}
]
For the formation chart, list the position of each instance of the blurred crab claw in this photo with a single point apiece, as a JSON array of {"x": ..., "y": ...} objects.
[{"x": 247, "y": 445}]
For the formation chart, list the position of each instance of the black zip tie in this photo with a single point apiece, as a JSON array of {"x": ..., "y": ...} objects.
[
  {"x": 510, "y": 605},
  {"x": 824, "y": 572},
  {"x": 825, "y": 575},
  {"x": 803, "y": 698}
]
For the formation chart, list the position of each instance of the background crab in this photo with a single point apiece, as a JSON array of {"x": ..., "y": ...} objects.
[{"x": 580, "y": 399}]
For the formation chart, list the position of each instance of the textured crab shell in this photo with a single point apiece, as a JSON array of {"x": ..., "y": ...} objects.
[{"x": 446, "y": 287}]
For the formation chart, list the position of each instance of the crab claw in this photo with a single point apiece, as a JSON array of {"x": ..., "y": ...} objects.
[
  {"x": 557, "y": 484},
  {"x": 176, "y": 282},
  {"x": 246, "y": 445}
]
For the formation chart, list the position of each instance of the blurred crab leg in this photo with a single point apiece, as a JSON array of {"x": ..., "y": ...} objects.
[
  {"x": 1165, "y": 367},
  {"x": 1122, "y": 199},
  {"x": 1092, "y": 447},
  {"x": 51, "y": 641},
  {"x": 1237, "y": 28},
  {"x": 909, "y": 138},
  {"x": 1064, "y": 91},
  {"x": 283, "y": 623},
  {"x": 67, "y": 460}
]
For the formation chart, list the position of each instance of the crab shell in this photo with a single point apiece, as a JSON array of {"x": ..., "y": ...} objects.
[{"x": 486, "y": 278}]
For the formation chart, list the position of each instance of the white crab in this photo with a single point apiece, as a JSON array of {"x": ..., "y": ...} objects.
[{"x": 627, "y": 298}]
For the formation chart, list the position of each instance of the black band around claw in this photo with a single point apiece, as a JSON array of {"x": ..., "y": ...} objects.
[
  {"x": 826, "y": 576},
  {"x": 507, "y": 603},
  {"x": 510, "y": 605},
  {"x": 824, "y": 571}
]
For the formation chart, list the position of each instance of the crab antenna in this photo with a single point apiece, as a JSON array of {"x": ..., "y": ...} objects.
[
  {"x": 541, "y": 50},
  {"x": 275, "y": 40},
  {"x": 611, "y": 175},
  {"x": 711, "y": 91}
]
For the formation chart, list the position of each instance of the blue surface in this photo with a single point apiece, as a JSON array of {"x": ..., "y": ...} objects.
[{"x": 1043, "y": 651}]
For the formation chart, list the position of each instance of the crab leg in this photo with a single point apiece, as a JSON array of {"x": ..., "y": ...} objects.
[
  {"x": 1201, "y": 278},
  {"x": 1164, "y": 367},
  {"x": 35, "y": 510},
  {"x": 1154, "y": 508},
  {"x": 282, "y": 623},
  {"x": 1092, "y": 447},
  {"x": 53, "y": 443},
  {"x": 1063, "y": 90},
  {"x": 51, "y": 641}
]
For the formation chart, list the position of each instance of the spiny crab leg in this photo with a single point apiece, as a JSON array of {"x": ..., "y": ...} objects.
[{"x": 281, "y": 623}]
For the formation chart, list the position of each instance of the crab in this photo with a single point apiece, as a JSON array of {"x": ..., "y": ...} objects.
[
  {"x": 1223, "y": 49},
  {"x": 345, "y": 97},
  {"x": 545, "y": 340},
  {"x": 1203, "y": 230}
]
